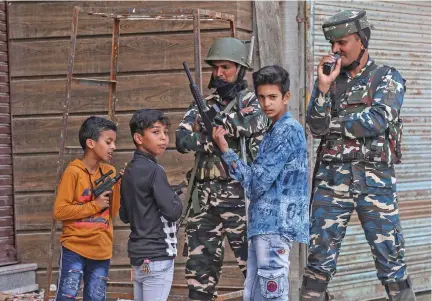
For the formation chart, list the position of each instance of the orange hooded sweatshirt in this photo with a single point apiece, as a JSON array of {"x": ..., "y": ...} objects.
[{"x": 86, "y": 230}]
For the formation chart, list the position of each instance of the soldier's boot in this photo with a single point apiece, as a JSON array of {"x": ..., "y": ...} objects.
[
  {"x": 314, "y": 290},
  {"x": 400, "y": 291}
]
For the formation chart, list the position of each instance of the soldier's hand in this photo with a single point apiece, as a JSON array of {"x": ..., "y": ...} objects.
[
  {"x": 247, "y": 110},
  {"x": 324, "y": 81},
  {"x": 219, "y": 138},
  {"x": 104, "y": 199}
]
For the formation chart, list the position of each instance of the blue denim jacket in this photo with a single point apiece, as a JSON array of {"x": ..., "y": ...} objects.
[{"x": 277, "y": 182}]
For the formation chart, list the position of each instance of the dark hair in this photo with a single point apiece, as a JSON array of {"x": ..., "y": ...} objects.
[
  {"x": 92, "y": 127},
  {"x": 145, "y": 118},
  {"x": 272, "y": 75}
]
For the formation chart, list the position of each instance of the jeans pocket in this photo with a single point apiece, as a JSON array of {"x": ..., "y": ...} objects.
[
  {"x": 161, "y": 266},
  {"x": 273, "y": 282}
]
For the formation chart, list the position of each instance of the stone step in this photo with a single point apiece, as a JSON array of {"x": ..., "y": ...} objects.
[{"x": 18, "y": 278}]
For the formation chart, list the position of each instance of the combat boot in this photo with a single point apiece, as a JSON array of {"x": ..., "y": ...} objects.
[
  {"x": 314, "y": 290},
  {"x": 400, "y": 291}
]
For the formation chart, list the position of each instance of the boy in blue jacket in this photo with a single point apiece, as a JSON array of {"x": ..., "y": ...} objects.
[{"x": 276, "y": 184}]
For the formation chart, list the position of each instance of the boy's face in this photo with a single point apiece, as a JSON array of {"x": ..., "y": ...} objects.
[
  {"x": 104, "y": 146},
  {"x": 273, "y": 104},
  {"x": 154, "y": 140}
]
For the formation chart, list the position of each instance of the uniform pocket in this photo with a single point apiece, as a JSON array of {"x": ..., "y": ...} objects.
[
  {"x": 356, "y": 98},
  {"x": 379, "y": 176},
  {"x": 356, "y": 102},
  {"x": 273, "y": 282}
]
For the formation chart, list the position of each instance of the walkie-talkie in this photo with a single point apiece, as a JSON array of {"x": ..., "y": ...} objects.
[{"x": 329, "y": 67}]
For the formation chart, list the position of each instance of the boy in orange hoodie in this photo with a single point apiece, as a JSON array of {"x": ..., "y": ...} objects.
[{"x": 87, "y": 238}]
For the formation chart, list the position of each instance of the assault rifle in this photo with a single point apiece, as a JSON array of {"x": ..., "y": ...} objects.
[{"x": 207, "y": 114}]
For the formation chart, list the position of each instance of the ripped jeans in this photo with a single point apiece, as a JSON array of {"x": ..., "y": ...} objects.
[
  {"x": 268, "y": 268},
  {"x": 72, "y": 268}
]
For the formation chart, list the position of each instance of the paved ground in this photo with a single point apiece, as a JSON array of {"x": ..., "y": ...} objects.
[{"x": 424, "y": 296}]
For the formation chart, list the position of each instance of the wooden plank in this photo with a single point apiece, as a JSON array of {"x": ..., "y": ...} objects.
[
  {"x": 47, "y": 129},
  {"x": 34, "y": 211},
  {"x": 157, "y": 91},
  {"x": 6, "y": 200},
  {"x": 37, "y": 173},
  {"x": 269, "y": 32},
  {"x": 136, "y": 53},
  {"x": 7, "y": 221},
  {"x": 33, "y": 247},
  {"x": 53, "y": 19}
]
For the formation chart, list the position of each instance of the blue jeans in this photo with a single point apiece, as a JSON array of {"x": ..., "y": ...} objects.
[
  {"x": 72, "y": 268},
  {"x": 155, "y": 285},
  {"x": 268, "y": 268}
]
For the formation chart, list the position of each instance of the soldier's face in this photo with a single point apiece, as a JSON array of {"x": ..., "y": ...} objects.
[
  {"x": 224, "y": 70},
  {"x": 272, "y": 102},
  {"x": 154, "y": 140},
  {"x": 349, "y": 48}
]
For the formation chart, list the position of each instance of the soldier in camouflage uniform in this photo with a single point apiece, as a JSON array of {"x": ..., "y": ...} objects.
[
  {"x": 355, "y": 111},
  {"x": 218, "y": 205}
]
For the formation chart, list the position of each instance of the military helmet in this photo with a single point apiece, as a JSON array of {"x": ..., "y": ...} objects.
[
  {"x": 345, "y": 23},
  {"x": 228, "y": 49}
]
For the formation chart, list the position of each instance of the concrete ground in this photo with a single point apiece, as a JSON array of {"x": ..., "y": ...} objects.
[{"x": 423, "y": 296}]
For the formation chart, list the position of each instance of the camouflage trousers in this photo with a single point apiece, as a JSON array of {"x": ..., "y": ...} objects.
[
  {"x": 222, "y": 214},
  {"x": 331, "y": 212}
]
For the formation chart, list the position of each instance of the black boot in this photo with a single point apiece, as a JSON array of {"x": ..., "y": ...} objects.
[
  {"x": 314, "y": 290},
  {"x": 400, "y": 291}
]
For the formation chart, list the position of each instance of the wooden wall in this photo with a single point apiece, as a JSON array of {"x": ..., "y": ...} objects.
[{"x": 150, "y": 76}]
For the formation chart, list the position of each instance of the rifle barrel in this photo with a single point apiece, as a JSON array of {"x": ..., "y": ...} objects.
[{"x": 189, "y": 75}]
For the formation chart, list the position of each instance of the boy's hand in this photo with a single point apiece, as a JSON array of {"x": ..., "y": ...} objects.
[
  {"x": 104, "y": 199},
  {"x": 197, "y": 127},
  {"x": 122, "y": 170},
  {"x": 219, "y": 138}
]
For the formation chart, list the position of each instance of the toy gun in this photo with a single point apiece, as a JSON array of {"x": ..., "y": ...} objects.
[
  {"x": 206, "y": 114},
  {"x": 106, "y": 185},
  {"x": 178, "y": 188}
]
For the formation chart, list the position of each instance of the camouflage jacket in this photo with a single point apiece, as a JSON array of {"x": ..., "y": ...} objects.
[
  {"x": 358, "y": 126},
  {"x": 251, "y": 125},
  {"x": 358, "y": 132}
]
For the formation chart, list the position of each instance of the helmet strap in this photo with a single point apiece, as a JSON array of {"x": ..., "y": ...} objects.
[
  {"x": 361, "y": 34},
  {"x": 356, "y": 63},
  {"x": 241, "y": 72}
]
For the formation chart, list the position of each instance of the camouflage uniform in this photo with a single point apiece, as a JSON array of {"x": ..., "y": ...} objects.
[
  {"x": 359, "y": 134},
  {"x": 221, "y": 210}
]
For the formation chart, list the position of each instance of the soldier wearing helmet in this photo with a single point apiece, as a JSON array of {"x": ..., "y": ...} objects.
[
  {"x": 218, "y": 204},
  {"x": 354, "y": 110}
]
